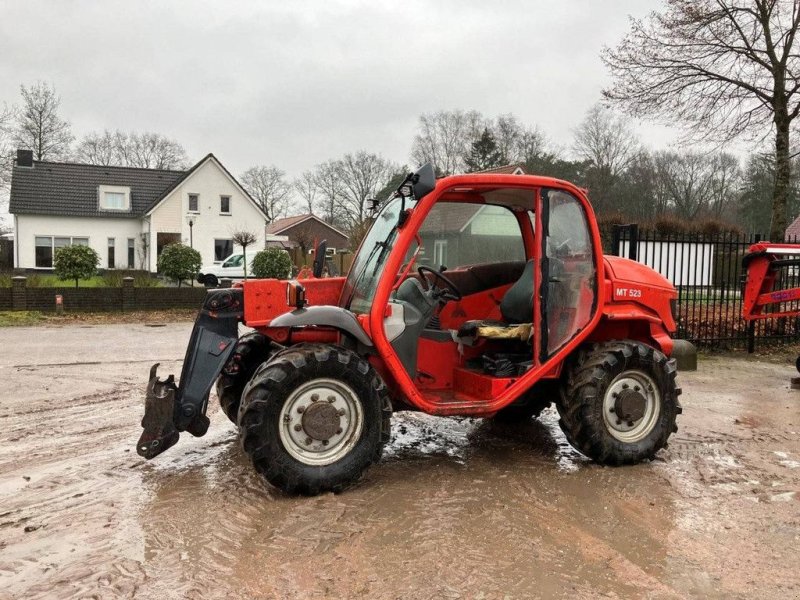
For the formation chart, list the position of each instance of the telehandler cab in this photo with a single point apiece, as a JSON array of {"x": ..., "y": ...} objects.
[{"x": 477, "y": 295}]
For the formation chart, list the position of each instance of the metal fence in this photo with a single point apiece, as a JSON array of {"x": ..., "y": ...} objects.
[{"x": 707, "y": 271}]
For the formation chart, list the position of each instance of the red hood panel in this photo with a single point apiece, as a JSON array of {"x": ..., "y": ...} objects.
[{"x": 629, "y": 270}]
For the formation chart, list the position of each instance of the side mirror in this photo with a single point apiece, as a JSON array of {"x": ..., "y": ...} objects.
[{"x": 423, "y": 181}]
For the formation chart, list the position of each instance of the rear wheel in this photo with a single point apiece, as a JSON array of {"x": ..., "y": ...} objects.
[
  {"x": 251, "y": 350},
  {"x": 210, "y": 281},
  {"x": 314, "y": 418},
  {"x": 620, "y": 402}
]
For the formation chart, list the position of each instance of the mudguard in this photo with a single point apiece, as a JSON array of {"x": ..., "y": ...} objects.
[
  {"x": 327, "y": 316},
  {"x": 170, "y": 409}
]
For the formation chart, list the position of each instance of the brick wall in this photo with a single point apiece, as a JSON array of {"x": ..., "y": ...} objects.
[
  {"x": 75, "y": 299},
  {"x": 161, "y": 298},
  {"x": 127, "y": 297}
]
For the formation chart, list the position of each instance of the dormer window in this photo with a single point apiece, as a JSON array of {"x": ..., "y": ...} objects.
[{"x": 115, "y": 197}]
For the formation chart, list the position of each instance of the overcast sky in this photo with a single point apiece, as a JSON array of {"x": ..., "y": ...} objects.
[{"x": 295, "y": 83}]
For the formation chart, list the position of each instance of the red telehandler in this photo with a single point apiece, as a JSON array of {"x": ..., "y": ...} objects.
[{"x": 478, "y": 295}]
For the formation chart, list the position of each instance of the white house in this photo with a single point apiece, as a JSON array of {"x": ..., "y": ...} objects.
[{"x": 128, "y": 214}]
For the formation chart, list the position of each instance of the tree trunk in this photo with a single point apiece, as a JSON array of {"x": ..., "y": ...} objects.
[{"x": 780, "y": 195}]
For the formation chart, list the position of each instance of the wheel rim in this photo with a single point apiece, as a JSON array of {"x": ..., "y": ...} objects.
[
  {"x": 631, "y": 406},
  {"x": 321, "y": 421}
]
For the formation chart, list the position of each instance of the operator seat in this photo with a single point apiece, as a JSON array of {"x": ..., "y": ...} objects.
[{"x": 516, "y": 307}]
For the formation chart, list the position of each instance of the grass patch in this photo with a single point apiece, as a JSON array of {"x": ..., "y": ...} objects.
[{"x": 20, "y": 318}]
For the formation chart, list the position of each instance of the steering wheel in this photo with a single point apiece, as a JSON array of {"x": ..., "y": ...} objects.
[{"x": 451, "y": 292}]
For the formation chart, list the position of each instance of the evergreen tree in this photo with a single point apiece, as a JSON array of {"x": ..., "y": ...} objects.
[{"x": 484, "y": 153}]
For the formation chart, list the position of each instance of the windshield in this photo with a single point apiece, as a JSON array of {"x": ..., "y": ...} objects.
[{"x": 359, "y": 289}]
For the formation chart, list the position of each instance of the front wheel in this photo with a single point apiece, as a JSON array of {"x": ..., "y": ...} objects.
[
  {"x": 620, "y": 402},
  {"x": 314, "y": 418}
]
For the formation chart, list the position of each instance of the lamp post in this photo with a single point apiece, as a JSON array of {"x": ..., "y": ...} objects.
[{"x": 191, "y": 236}]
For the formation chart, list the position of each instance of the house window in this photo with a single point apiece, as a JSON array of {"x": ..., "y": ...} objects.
[
  {"x": 194, "y": 203},
  {"x": 44, "y": 252},
  {"x": 131, "y": 252},
  {"x": 222, "y": 249},
  {"x": 111, "y": 261},
  {"x": 114, "y": 197},
  {"x": 114, "y": 200},
  {"x": 225, "y": 205},
  {"x": 45, "y": 247}
]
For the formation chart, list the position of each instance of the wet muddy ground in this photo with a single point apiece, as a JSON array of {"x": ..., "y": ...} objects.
[{"x": 457, "y": 508}]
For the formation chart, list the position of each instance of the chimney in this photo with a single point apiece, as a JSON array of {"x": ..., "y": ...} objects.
[{"x": 24, "y": 158}]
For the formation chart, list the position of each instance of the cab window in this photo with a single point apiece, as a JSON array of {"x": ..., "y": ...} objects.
[{"x": 458, "y": 234}]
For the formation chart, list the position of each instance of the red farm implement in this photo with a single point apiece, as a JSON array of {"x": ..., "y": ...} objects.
[{"x": 771, "y": 288}]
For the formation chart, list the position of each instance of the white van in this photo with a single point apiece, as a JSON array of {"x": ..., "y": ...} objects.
[{"x": 230, "y": 268}]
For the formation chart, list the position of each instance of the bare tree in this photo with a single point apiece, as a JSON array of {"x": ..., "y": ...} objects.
[
  {"x": 306, "y": 188},
  {"x": 39, "y": 126},
  {"x": 605, "y": 140},
  {"x": 684, "y": 181},
  {"x": 508, "y": 133},
  {"x": 362, "y": 175},
  {"x": 244, "y": 239},
  {"x": 151, "y": 151},
  {"x": 517, "y": 143},
  {"x": 444, "y": 139},
  {"x": 608, "y": 145},
  {"x": 723, "y": 68},
  {"x": 692, "y": 184},
  {"x": 269, "y": 188},
  {"x": 328, "y": 178},
  {"x": 143, "y": 150},
  {"x": 531, "y": 145},
  {"x": 100, "y": 148},
  {"x": 7, "y": 119},
  {"x": 726, "y": 180}
]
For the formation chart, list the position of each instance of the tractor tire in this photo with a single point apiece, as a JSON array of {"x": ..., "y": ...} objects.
[
  {"x": 620, "y": 402},
  {"x": 251, "y": 350},
  {"x": 531, "y": 405},
  {"x": 290, "y": 430}
]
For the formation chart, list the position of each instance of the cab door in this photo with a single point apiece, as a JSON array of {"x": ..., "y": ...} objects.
[{"x": 569, "y": 272}]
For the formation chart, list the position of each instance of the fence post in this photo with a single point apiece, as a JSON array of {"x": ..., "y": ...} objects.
[
  {"x": 615, "y": 231},
  {"x": 128, "y": 294},
  {"x": 633, "y": 244},
  {"x": 19, "y": 295}
]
